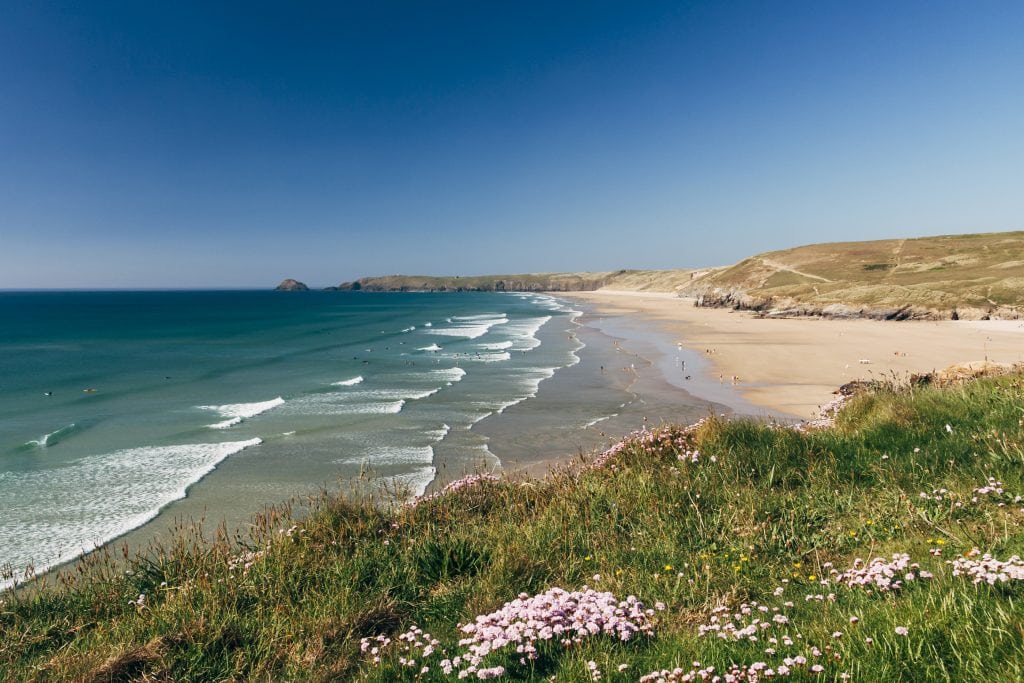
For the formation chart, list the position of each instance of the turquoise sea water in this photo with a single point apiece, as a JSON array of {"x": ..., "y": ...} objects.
[{"x": 113, "y": 403}]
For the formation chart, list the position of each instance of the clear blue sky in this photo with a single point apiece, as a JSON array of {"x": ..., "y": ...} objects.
[{"x": 206, "y": 144}]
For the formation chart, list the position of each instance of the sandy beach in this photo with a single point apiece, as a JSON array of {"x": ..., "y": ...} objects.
[{"x": 792, "y": 366}]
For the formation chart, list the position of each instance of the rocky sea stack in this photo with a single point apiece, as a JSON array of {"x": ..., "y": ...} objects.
[{"x": 290, "y": 285}]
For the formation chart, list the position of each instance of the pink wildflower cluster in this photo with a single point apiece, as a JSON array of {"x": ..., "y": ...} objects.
[
  {"x": 245, "y": 561},
  {"x": 519, "y": 626},
  {"x": 881, "y": 575},
  {"x": 786, "y": 651},
  {"x": 749, "y": 620},
  {"x": 555, "y": 615},
  {"x": 455, "y": 486},
  {"x": 826, "y": 415},
  {"x": 736, "y": 673},
  {"x": 988, "y": 569},
  {"x": 993, "y": 490},
  {"x": 374, "y": 646},
  {"x": 937, "y": 495},
  {"x": 657, "y": 442}
]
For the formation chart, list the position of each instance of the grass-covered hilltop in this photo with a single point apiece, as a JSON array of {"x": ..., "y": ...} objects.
[
  {"x": 882, "y": 548},
  {"x": 955, "y": 276}
]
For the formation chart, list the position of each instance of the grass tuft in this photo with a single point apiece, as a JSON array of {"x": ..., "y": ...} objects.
[{"x": 714, "y": 528}]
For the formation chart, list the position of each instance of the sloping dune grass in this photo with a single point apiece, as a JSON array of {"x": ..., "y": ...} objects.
[{"x": 738, "y": 537}]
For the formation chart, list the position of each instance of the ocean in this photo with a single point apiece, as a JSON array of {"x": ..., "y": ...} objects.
[{"x": 114, "y": 404}]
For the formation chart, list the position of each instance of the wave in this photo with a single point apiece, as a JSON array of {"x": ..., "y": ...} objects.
[
  {"x": 599, "y": 419},
  {"x": 348, "y": 382},
  {"x": 432, "y": 347},
  {"x": 428, "y": 324},
  {"x": 409, "y": 329},
  {"x": 326, "y": 407},
  {"x": 54, "y": 437},
  {"x": 98, "y": 498},
  {"x": 236, "y": 412},
  {"x": 490, "y": 357},
  {"x": 439, "y": 434},
  {"x": 524, "y": 332},
  {"x": 417, "y": 481},
  {"x": 471, "y": 326},
  {"x": 449, "y": 375},
  {"x": 497, "y": 346},
  {"x": 377, "y": 394},
  {"x": 419, "y": 458}
]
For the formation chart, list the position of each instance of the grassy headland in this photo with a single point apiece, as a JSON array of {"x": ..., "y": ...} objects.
[
  {"x": 524, "y": 282},
  {"x": 973, "y": 276},
  {"x": 741, "y": 538}
]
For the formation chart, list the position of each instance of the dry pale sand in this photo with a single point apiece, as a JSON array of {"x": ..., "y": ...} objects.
[{"x": 793, "y": 365}]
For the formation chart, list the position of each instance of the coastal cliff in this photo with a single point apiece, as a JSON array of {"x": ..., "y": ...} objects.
[
  {"x": 970, "y": 277},
  {"x": 531, "y": 282}
]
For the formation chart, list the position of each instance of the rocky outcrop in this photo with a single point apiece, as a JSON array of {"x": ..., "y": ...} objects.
[
  {"x": 290, "y": 285},
  {"x": 787, "y": 307}
]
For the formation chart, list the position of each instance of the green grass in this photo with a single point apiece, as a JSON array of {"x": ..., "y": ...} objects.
[
  {"x": 762, "y": 508},
  {"x": 976, "y": 274}
]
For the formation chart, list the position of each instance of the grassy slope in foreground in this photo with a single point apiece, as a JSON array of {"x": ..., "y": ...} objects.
[
  {"x": 704, "y": 521},
  {"x": 976, "y": 275}
]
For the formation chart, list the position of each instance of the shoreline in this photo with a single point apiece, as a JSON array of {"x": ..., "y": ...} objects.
[
  {"x": 578, "y": 410},
  {"x": 650, "y": 357},
  {"x": 793, "y": 366},
  {"x": 617, "y": 387}
]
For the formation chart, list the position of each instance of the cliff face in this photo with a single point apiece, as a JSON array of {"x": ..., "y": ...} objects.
[
  {"x": 954, "y": 276},
  {"x": 533, "y": 282},
  {"x": 290, "y": 285}
]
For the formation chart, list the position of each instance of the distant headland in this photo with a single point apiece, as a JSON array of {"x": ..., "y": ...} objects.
[
  {"x": 290, "y": 285},
  {"x": 976, "y": 276}
]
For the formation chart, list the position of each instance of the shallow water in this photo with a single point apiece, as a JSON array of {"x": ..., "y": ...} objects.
[{"x": 113, "y": 404}]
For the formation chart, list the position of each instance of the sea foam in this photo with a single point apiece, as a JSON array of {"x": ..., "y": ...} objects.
[
  {"x": 236, "y": 412},
  {"x": 98, "y": 498},
  {"x": 470, "y": 326},
  {"x": 54, "y": 437}
]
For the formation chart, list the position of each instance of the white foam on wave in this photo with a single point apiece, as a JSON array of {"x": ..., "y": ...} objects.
[
  {"x": 432, "y": 347},
  {"x": 348, "y": 382},
  {"x": 377, "y": 394},
  {"x": 471, "y": 326},
  {"x": 490, "y": 357},
  {"x": 417, "y": 481},
  {"x": 409, "y": 329},
  {"x": 95, "y": 499},
  {"x": 439, "y": 434},
  {"x": 524, "y": 332},
  {"x": 599, "y": 420},
  {"x": 497, "y": 346},
  {"x": 530, "y": 379},
  {"x": 53, "y": 437},
  {"x": 418, "y": 460},
  {"x": 236, "y": 412},
  {"x": 327, "y": 407},
  {"x": 449, "y": 375}
]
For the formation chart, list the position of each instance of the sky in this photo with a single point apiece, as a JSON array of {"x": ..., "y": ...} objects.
[{"x": 213, "y": 144}]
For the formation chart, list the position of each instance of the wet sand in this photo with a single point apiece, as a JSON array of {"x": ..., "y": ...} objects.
[
  {"x": 792, "y": 366},
  {"x": 630, "y": 375}
]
